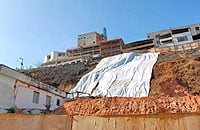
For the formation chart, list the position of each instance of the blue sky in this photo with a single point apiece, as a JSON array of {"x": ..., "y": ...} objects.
[{"x": 33, "y": 28}]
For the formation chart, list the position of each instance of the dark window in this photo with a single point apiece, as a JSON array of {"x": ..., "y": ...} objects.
[
  {"x": 165, "y": 36},
  {"x": 180, "y": 30},
  {"x": 58, "y": 102},
  {"x": 48, "y": 56},
  {"x": 181, "y": 39},
  {"x": 48, "y": 100},
  {"x": 197, "y": 28},
  {"x": 157, "y": 35},
  {"x": 36, "y": 97}
]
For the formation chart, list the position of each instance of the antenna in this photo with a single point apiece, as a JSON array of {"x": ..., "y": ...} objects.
[
  {"x": 22, "y": 62},
  {"x": 104, "y": 33}
]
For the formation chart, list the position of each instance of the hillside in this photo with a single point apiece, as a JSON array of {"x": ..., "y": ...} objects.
[
  {"x": 64, "y": 77},
  {"x": 174, "y": 74},
  {"x": 176, "y": 78}
]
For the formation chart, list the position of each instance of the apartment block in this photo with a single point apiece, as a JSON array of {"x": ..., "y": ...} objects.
[
  {"x": 138, "y": 45},
  {"x": 175, "y": 36},
  {"x": 111, "y": 47},
  {"x": 89, "y": 38}
]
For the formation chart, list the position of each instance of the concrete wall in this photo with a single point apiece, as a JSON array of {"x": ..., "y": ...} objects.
[
  {"x": 17, "y": 89},
  {"x": 138, "y": 122},
  {"x": 34, "y": 122},
  {"x": 134, "y": 122},
  {"x": 6, "y": 92},
  {"x": 87, "y": 38},
  {"x": 24, "y": 98},
  {"x": 54, "y": 56}
]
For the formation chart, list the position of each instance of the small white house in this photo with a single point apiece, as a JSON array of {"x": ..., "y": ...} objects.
[{"x": 20, "y": 91}]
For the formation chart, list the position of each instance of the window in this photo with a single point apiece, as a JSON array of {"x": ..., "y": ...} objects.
[
  {"x": 58, "y": 102},
  {"x": 48, "y": 100},
  {"x": 36, "y": 97},
  {"x": 197, "y": 28},
  {"x": 48, "y": 57},
  {"x": 181, "y": 39}
]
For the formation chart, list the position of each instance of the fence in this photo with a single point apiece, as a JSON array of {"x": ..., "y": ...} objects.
[{"x": 130, "y": 122}]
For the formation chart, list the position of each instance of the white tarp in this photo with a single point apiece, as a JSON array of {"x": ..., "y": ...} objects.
[{"x": 125, "y": 75}]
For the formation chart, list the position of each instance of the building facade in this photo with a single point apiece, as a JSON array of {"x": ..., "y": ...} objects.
[
  {"x": 175, "y": 36},
  {"x": 89, "y": 38},
  {"x": 111, "y": 47},
  {"x": 95, "y": 45},
  {"x": 139, "y": 45},
  {"x": 54, "y": 56},
  {"x": 22, "y": 92}
]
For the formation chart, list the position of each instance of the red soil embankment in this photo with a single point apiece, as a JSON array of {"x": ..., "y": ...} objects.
[
  {"x": 176, "y": 78},
  {"x": 129, "y": 106}
]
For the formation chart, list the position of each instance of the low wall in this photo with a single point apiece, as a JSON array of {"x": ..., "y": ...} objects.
[
  {"x": 133, "y": 122},
  {"x": 138, "y": 122},
  {"x": 35, "y": 122}
]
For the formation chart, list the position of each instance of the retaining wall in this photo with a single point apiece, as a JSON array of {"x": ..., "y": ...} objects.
[{"x": 133, "y": 122}]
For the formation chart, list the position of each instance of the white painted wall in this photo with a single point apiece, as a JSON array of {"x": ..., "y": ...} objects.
[
  {"x": 53, "y": 57},
  {"x": 46, "y": 58},
  {"x": 24, "y": 98},
  {"x": 6, "y": 92}
]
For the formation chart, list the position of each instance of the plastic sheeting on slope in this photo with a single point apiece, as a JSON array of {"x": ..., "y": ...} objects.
[{"x": 125, "y": 75}]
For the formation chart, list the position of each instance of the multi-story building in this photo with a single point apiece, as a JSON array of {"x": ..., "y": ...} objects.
[
  {"x": 111, "y": 47},
  {"x": 174, "y": 36},
  {"x": 138, "y": 45},
  {"x": 89, "y": 38},
  {"x": 88, "y": 47},
  {"x": 95, "y": 45},
  {"x": 92, "y": 50}
]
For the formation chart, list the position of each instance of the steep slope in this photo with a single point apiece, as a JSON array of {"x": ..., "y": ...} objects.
[
  {"x": 125, "y": 75},
  {"x": 176, "y": 78},
  {"x": 177, "y": 75},
  {"x": 64, "y": 77}
]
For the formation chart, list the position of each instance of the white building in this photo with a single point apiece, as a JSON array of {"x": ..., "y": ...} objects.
[
  {"x": 20, "y": 91},
  {"x": 54, "y": 56}
]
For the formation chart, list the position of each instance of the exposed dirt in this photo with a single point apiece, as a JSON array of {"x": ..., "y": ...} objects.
[
  {"x": 176, "y": 78},
  {"x": 63, "y": 77},
  {"x": 129, "y": 106},
  {"x": 174, "y": 85}
]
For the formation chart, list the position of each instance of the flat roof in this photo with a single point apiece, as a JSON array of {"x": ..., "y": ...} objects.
[{"x": 186, "y": 26}]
